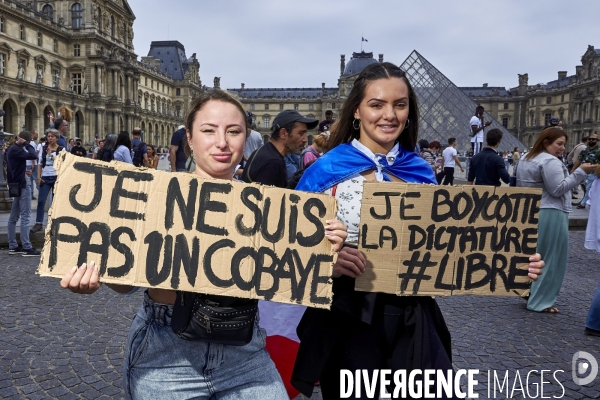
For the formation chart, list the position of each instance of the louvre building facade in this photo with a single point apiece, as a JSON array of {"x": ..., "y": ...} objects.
[
  {"x": 521, "y": 112},
  {"x": 80, "y": 54}
]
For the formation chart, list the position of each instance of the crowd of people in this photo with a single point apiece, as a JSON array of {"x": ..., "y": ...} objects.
[{"x": 374, "y": 139}]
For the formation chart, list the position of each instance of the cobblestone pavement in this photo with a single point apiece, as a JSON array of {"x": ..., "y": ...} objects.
[{"x": 55, "y": 344}]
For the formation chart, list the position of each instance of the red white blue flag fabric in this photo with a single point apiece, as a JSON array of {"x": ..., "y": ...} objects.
[{"x": 280, "y": 322}]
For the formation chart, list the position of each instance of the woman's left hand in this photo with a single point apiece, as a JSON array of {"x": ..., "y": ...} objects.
[
  {"x": 336, "y": 232},
  {"x": 535, "y": 266}
]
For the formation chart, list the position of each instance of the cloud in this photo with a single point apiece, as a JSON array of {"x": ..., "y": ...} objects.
[{"x": 284, "y": 43}]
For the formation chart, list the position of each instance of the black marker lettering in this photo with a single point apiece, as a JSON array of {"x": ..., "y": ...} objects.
[
  {"x": 208, "y": 205},
  {"x": 99, "y": 171},
  {"x": 115, "y": 242},
  {"x": 119, "y": 191},
  {"x": 174, "y": 195}
]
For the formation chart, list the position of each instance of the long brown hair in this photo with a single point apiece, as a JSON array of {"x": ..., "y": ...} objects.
[
  {"x": 546, "y": 138},
  {"x": 343, "y": 131}
]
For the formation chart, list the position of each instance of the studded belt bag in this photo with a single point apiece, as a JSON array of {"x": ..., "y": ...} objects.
[{"x": 214, "y": 319}]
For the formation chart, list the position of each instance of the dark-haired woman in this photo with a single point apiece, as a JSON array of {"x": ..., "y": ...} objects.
[
  {"x": 158, "y": 363},
  {"x": 123, "y": 148},
  {"x": 372, "y": 140},
  {"x": 543, "y": 168},
  {"x": 107, "y": 151}
]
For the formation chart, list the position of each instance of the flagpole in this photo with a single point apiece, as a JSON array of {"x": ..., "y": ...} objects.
[{"x": 361, "y": 42}]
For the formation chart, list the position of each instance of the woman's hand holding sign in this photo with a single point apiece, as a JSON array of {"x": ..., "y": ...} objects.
[
  {"x": 336, "y": 232},
  {"x": 84, "y": 280},
  {"x": 350, "y": 262},
  {"x": 535, "y": 266}
]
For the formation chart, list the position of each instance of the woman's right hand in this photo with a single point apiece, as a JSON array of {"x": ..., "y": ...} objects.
[
  {"x": 588, "y": 168},
  {"x": 40, "y": 181},
  {"x": 84, "y": 280},
  {"x": 350, "y": 262}
]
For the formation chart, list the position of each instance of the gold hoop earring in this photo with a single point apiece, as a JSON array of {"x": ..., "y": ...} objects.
[
  {"x": 354, "y": 124},
  {"x": 407, "y": 123}
]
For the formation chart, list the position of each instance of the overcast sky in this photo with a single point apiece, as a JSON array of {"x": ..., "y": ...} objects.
[{"x": 282, "y": 43}]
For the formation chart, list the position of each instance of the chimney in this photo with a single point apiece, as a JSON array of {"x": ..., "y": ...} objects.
[
  {"x": 342, "y": 63},
  {"x": 485, "y": 85},
  {"x": 380, "y": 58},
  {"x": 578, "y": 70},
  {"x": 243, "y": 85},
  {"x": 562, "y": 74}
]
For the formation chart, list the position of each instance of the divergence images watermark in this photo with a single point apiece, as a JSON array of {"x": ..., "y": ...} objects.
[{"x": 433, "y": 384}]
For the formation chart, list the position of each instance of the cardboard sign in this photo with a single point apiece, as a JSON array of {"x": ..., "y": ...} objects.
[
  {"x": 177, "y": 231},
  {"x": 443, "y": 240}
]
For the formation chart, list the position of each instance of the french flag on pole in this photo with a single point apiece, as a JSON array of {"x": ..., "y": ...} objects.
[
  {"x": 280, "y": 321},
  {"x": 364, "y": 40}
]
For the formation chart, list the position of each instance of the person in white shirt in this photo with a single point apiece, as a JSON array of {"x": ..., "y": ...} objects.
[
  {"x": 31, "y": 164},
  {"x": 450, "y": 156},
  {"x": 477, "y": 127}
]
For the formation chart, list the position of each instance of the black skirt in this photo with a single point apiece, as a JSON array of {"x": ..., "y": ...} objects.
[{"x": 419, "y": 337}]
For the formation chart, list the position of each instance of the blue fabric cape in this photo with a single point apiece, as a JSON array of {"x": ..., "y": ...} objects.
[{"x": 345, "y": 161}]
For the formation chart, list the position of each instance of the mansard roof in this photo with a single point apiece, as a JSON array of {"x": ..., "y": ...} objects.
[
  {"x": 282, "y": 93},
  {"x": 172, "y": 56}
]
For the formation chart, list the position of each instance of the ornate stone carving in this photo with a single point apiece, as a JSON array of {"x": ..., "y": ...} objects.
[
  {"x": 217, "y": 82},
  {"x": 21, "y": 70},
  {"x": 40, "y": 75},
  {"x": 523, "y": 79}
]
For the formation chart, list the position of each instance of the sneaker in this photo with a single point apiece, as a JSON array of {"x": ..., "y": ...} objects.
[
  {"x": 591, "y": 332},
  {"x": 37, "y": 228},
  {"x": 16, "y": 250},
  {"x": 580, "y": 206},
  {"x": 32, "y": 252}
]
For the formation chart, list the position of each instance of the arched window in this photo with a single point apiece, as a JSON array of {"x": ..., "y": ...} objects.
[
  {"x": 48, "y": 11},
  {"x": 76, "y": 16}
]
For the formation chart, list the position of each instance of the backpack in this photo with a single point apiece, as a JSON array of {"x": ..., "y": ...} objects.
[
  {"x": 138, "y": 155},
  {"x": 306, "y": 150},
  {"x": 45, "y": 153}
]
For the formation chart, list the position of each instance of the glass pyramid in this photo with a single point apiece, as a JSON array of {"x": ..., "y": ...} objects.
[{"x": 445, "y": 111}]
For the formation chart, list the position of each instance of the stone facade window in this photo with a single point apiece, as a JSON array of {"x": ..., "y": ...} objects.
[
  {"x": 281, "y": 107},
  {"x": 547, "y": 117},
  {"x": 252, "y": 107},
  {"x": 2, "y": 24},
  {"x": 40, "y": 39},
  {"x": 112, "y": 27},
  {"x": 76, "y": 79},
  {"x": 562, "y": 98},
  {"x": 55, "y": 76},
  {"x": 548, "y": 100},
  {"x": 55, "y": 45},
  {"x": 48, "y": 11},
  {"x": 333, "y": 106},
  {"x": 2, "y": 64},
  {"x": 506, "y": 106},
  {"x": 266, "y": 122},
  {"x": 76, "y": 50},
  {"x": 311, "y": 107},
  {"x": 178, "y": 92},
  {"x": 22, "y": 32},
  {"x": 505, "y": 121},
  {"x": 266, "y": 106},
  {"x": 76, "y": 16},
  {"x": 296, "y": 106}
]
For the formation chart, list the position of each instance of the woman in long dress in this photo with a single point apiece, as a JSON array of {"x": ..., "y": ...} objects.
[{"x": 542, "y": 168}]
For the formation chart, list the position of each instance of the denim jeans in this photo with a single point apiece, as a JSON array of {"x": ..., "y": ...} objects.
[
  {"x": 593, "y": 318},
  {"x": 21, "y": 208},
  {"x": 34, "y": 180},
  {"x": 45, "y": 188},
  {"x": 160, "y": 365},
  {"x": 588, "y": 186}
]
